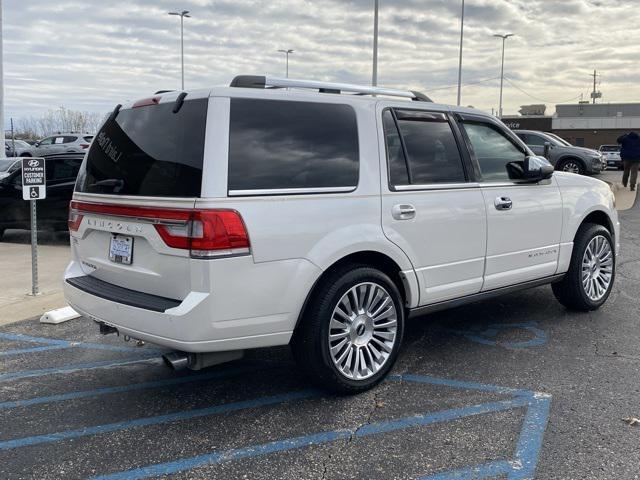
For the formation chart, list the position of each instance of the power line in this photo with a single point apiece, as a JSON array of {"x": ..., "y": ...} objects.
[
  {"x": 538, "y": 98},
  {"x": 446, "y": 87}
]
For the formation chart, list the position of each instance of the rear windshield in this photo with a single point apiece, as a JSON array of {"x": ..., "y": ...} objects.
[
  {"x": 609, "y": 148},
  {"x": 148, "y": 151}
]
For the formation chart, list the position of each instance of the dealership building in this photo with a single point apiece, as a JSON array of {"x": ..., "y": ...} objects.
[{"x": 583, "y": 124}]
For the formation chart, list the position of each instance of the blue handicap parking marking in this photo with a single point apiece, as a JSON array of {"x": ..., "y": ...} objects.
[
  {"x": 489, "y": 335},
  {"x": 522, "y": 466},
  {"x": 57, "y": 344}
]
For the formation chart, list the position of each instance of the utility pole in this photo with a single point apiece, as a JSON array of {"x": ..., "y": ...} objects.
[
  {"x": 182, "y": 14},
  {"x": 595, "y": 94},
  {"x": 460, "y": 62},
  {"x": 374, "y": 76},
  {"x": 504, "y": 39}
]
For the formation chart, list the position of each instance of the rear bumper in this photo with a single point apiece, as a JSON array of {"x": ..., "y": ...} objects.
[{"x": 250, "y": 306}]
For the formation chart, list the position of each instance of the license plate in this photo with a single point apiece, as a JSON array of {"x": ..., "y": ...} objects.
[{"x": 121, "y": 249}]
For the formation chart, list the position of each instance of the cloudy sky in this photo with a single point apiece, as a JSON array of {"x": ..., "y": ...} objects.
[{"x": 89, "y": 55}]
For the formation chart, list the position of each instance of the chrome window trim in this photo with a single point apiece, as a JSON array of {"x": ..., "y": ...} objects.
[
  {"x": 436, "y": 186},
  {"x": 290, "y": 191}
]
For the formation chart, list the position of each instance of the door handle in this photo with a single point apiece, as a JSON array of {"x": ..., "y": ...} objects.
[
  {"x": 503, "y": 203},
  {"x": 403, "y": 212}
]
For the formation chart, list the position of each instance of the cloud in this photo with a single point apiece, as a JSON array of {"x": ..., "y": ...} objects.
[{"x": 91, "y": 55}]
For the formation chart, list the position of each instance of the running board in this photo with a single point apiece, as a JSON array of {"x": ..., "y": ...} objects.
[{"x": 477, "y": 297}]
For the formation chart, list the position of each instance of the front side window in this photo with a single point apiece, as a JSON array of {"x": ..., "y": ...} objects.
[
  {"x": 275, "y": 145},
  {"x": 59, "y": 140},
  {"x": 493, "y": 150},
  {"x": 46, "y": 141},
  {"x": 421, "y": 148}
]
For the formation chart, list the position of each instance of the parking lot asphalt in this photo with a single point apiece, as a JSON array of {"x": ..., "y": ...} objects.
[{"x": 513, "y": 388}]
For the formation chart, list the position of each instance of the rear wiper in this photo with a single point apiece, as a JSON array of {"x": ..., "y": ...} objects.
[{"x": 116, "y": 183}]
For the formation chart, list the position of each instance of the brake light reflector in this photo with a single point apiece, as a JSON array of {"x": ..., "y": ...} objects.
[
  {"x": 84, "y": 145},
  {"x": 75, "y": 218}
]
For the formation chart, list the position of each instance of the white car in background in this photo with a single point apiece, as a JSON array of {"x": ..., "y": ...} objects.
[
  {"x": 266, "y": 213},
  {"x": 61, "y": 143},
  {"x": 611, "y": 154}
]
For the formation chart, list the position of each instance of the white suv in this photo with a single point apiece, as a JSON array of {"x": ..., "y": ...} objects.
[{"x": 216, "y": 221}]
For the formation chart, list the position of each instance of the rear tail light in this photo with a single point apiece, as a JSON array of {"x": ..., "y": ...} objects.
[
  {"x": 205, "y": 233},
  {"x": 208, "y": 233},
  {"x": 75, "y": 218},
  {"x": 84, "y": 145}
]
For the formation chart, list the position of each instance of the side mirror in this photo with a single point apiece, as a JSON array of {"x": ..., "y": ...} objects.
[
  {"x": 536, "y": 169},
  {"x": 37, "y": 144},
  {"x": 547, "y": 147},
  {"x": 531, "y": 169}
]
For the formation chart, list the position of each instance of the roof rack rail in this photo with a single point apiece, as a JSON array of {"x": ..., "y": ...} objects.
[{"x": 260, "y": 81}]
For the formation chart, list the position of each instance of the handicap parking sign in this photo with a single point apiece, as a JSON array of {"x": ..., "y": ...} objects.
[{"x": 34, "y": 179}]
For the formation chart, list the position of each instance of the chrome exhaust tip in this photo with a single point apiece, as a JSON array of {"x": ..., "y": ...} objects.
[{"x": 176, "y": 360}]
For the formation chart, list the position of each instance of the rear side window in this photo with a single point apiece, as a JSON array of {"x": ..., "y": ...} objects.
[
  {"x": 421, "y": 148},
  {"x": 148, "y": 151},
  {"x": 278, "y": 145},
  {"x": 69, "y": 139},
  {"x": 59, "y": 169}
]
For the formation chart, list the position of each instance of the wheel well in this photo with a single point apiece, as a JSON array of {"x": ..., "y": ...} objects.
[
  {"x": 373, "y": 259},
  {"x": 599, "y": 218},
  {"x": 25, "y": 154}
]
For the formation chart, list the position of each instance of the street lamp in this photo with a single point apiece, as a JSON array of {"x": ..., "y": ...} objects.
[
  {"x": 460, "y": 62},
  {"x": 374, "y": 76},
  {"x": 182, "y": 14},
  {"x": 504, "y": 39},
  {"x": 287, "y": 52}
]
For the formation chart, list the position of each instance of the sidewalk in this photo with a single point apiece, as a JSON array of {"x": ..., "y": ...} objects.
[{"x": 15, "y": 281}]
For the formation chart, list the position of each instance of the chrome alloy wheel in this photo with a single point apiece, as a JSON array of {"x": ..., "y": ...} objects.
[
  {"x": 571, "y": 167},
  {"x": 597, "y": 268},
  {"x": 363, "y": 331}
]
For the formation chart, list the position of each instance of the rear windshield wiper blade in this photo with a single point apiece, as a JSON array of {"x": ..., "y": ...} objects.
[{"x": 116, "y": 183}]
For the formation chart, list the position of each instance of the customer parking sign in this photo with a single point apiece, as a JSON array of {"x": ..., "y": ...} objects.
[{"x": 34, "y": 179}]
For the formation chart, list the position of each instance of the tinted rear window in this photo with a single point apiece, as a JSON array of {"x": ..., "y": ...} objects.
[
  {"x": 277, "y": 144},
  {"x": 148, "y": 151},
  {"x": 609, "y": 148}
]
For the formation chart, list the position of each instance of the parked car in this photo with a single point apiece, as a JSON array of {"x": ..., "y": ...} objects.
[
  {"x": 61, "y": 143},
  {"x": 562, "y": 155},
  {"x": 612, "y": 154},
  {"x": 216, "y": 221},
  {"x": 61, "y": 172},
  {"x": 22, "y": 148},
  {"x": 8, "y": 166}
]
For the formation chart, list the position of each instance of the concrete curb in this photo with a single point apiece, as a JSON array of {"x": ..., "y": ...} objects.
[{"x": 30, "y": 307}]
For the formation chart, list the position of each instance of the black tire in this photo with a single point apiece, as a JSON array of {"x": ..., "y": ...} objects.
[
  {"x": 1, "y": 233},
  {"x": 25, "y": 154},
  {"x": 570, "y": 291},
  {"x": 563, "y": 164},
  {"x": 310, "y": 344}
]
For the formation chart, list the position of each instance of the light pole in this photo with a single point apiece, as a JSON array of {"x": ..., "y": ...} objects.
[
  {"x": 1, "y": 88},
  {"x": 504, "y": 39},
  {"x": 182, "y": 14},
  {"x": 374, "y": 76},
  {"x": 460, "y": 62},
  {"x": 287, "y": 52}
]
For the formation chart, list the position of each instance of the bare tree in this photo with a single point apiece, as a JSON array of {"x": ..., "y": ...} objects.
[{"x": 59, "y": 120}]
